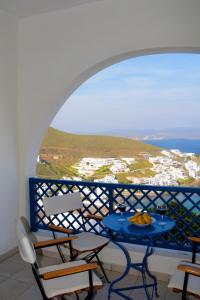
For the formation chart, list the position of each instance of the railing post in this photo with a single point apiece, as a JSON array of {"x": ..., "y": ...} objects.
[
  {"x": 32, "y": 205},
  {"x": 111, "y": 199}
]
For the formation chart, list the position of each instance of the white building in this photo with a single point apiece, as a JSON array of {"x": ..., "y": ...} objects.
[
  {"x": 161, "y": 160},
  {"x": 88, "y": 165},
  {"x": 129, "y": 160},
  {"x": 119, "y": 166},
  {"x": 107, "y": 179},
  {"x": 193, "y": 168},
  {"x": 166, "y": 153},
  {"x": 177, "y": 152}
]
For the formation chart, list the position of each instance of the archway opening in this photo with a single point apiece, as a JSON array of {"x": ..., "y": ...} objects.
[{"x": 111, "y": 124}]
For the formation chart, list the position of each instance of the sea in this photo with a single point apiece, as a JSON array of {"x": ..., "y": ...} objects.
[{"x": 184, "y": 145}]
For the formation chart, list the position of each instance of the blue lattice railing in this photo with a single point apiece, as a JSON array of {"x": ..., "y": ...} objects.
[{"x": 102, "y": 198}]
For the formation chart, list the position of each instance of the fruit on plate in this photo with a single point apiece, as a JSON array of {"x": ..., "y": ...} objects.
[{"x": 140, "y": 218}]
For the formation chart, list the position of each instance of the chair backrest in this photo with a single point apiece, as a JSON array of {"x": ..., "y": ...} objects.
[
  {"x": 26, "y": 248},
  {"x": 61, "y": 204}
]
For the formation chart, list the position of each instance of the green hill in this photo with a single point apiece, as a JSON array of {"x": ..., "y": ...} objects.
[{"x": 61, "y": 150}]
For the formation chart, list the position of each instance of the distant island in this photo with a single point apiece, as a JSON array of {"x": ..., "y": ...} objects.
[
  {"x": 189, "y": 133},
  {"x": 114, "y": 159}
]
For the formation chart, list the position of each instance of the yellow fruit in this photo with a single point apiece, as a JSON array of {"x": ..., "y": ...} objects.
[
  {"x": 131, "y": 219},
  {"x": 135, "y": 217},
  {"x": 141, "y": 218},
  {"x": 138, "y": 221},
  {"x": 147, "y": 218},
  {"x": 138, "y": 213}
]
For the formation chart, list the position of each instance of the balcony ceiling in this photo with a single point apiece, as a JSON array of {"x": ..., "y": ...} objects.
[{"x": 26, "y": 8}]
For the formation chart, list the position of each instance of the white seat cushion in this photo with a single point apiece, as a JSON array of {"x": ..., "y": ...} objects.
[
  {"x": 67, "y": 284},
  {"x": 87, "y": 241},
  {"x": 177, "y": 280}
]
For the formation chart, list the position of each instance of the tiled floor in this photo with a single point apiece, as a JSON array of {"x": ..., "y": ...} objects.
[{"x": 17, "y": 282}]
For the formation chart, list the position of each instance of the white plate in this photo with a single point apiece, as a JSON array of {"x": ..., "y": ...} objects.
[{"x": 143, "y": 225}]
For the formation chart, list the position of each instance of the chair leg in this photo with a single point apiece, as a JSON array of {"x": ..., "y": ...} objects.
[
  {"x": 59, "y": 249},
  {"x": 91, "y": 291},
  {"x": 61, "y": 254},
  {"x": 90, "y": 257},
  {"x": 38, "y": 282},
  {"x": 89, "y": 296},
  {"x": 102, "y": 268},
  {"x": 185, "y": 287}
]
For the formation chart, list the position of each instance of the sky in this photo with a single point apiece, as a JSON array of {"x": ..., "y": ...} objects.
[{"x": 149, "y": 92}]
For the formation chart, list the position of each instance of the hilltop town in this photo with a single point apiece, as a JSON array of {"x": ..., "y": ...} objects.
[
  {"x": 169, "y": 168},
  {"x": 114, "y": 160}
]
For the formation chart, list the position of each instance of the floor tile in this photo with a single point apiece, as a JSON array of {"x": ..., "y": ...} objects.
[
  {"x": 162, "y": 289},
  {"x": 33, "y": 293},
  {"x": 139, "y": 294},
  {"x": 102, "y": 294},
  {"x": 161, "y": 286},
  {"x": 26, "y": 275},
  {"x": 170, "y": 295},
  {"x": 127, "y": 281},
  {"x": 3, "y": 278},
  {"x": 9, "y": 267},
  {"x": 16, "y": 258},
  {"x": 10, "y": 289}
]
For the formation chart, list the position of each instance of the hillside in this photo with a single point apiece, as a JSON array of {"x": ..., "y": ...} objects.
[{"x": 61, "y": 150}]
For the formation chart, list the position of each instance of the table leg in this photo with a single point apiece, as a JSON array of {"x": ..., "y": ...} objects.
[
  {"x": 149, "y": 252},
  {"x": 141, "y": 267},
  {"x": 128, "y": 266}
]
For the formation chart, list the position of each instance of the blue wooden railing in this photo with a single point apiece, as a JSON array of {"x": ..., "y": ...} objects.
[{"x": 102, "y": 198}]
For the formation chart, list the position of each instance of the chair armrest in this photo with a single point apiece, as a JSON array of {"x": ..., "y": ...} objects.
[
  {"x": 68, "y": 271},
  {"x": 60, "y": 229},
  {"x": 50, "y": 243},
  {"x": 189, "y": 269},
  {"x": 95, "y": 217},
  {"x": 194, "y": 239}
]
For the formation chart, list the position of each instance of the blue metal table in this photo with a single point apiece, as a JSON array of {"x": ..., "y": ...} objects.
[{"x": 126, "y": 230}]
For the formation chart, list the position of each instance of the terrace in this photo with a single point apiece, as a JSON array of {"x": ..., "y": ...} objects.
[
  {"x": 48, "y": 48},
  {"x": 101, "y": 199},
  {"x": 16, "y": 279}
]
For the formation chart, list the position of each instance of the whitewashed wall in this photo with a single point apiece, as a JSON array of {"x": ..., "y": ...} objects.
[
  {"x": 60, "y": 50},
  {"x": 57, "y": 52},
  {"x": 8, "y": 131}
]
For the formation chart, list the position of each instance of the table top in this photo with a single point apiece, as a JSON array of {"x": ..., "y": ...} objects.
[{"x": 127, "y": 228}]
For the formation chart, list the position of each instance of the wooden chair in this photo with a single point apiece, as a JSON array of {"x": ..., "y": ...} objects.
[
  {"x": 57, "y": 280},
  {"x": 186, "y": 279},
  {"x": 87, "y": 243}
]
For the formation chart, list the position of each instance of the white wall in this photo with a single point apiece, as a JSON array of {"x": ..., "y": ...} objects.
[
  {"x": 59, "y": 50},
  {"x": 8, "y": 130}
]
